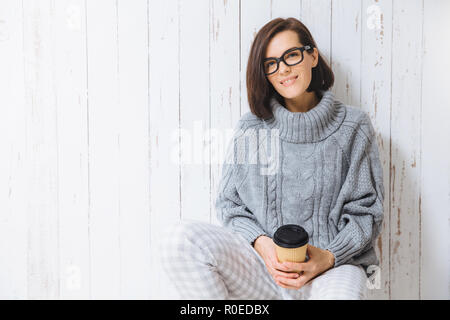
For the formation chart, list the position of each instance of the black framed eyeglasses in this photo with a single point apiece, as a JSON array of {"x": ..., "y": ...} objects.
[{"x": 290, "y": 57}]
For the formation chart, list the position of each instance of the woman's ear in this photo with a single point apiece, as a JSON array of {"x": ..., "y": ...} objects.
[{"x": 315, "y": 55}]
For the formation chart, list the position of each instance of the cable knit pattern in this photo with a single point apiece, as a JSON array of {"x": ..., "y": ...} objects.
[
  {"x": 326, "y": 176},
  {"x": 273, "y": 201}
]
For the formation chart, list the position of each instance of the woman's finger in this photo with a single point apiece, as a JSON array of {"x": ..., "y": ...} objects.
[
  {"x": 295, "y": 283},
  {"x": 288, "y": 282},
  {"x": 310, "y": 250},
  {"x": 283, "y": 285},
  {"x": 291, "y": 275},
  {"x": 279, "y": 266},
  {"x": 297, "y": 266},
  {"x": 274, "y": 272}
]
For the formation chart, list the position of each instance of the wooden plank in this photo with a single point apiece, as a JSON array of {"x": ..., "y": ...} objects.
[
  {"x": 434, "y": 204},
  {"x": 250, "y": 24},
  {"x": 69, "y": 45},
  {"x": 345, "y": 50},
  {"x": 58, "y": 240},
  {"x": 41, "y": 151},
  {"x": 375, "y": 100},
  {"x": 316, "y": 16},
  {"x": 405, "y": 149},
  {"x": 14, "y": 165},
  {"x": 224, "y": 89},
  {"x": 195, "y": 79},
  {"x": 164, "y": 122},
  {"x": 285, "y": 9},
  {"x": 133, "y": 141},
  {"x": 104, "y": 123}
]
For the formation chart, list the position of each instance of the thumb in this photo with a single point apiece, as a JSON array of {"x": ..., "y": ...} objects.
[{"x": 310, "y": 249}]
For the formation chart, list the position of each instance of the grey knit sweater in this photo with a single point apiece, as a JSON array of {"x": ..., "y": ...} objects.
[{"x": 319, "y": 169}]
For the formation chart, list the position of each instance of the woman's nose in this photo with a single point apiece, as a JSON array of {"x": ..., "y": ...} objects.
[{"x": 284, "y": 67}]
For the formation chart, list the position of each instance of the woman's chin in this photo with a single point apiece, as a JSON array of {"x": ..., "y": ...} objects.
[{"x": 293, "y": 93}]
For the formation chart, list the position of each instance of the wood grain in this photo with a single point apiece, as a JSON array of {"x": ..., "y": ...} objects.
[
  {"x": 376, "y": 101},
  {"x": 95, "y": 163},
  {"x": 405, "y": 150}
]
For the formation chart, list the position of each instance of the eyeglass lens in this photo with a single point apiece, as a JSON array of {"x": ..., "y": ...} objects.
[{"x": 291, "y": 58}]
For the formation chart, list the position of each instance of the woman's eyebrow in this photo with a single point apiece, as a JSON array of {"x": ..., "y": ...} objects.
[{"x": 283, "y": 52}]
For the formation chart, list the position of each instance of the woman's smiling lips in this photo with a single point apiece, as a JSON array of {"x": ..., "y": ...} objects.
[{"x": 289, "y": 81}]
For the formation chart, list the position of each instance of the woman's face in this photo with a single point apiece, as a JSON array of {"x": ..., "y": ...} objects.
[{"x": 281, "y": 42}]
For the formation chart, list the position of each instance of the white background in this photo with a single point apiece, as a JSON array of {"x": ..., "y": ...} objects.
[{"x": 92, "y": 94}]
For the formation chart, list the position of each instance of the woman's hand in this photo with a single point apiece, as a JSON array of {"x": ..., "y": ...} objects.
[
  {"x": 319, "y": 261},
  {"x": 266, "y": 249}
]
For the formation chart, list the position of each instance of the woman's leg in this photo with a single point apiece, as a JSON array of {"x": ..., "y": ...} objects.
[
  {"x": 206, "y": 261},
  {"x": 346, "y": 282}
]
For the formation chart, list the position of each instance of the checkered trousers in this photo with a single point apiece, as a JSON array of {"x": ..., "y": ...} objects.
[{"x": 206, "y": 261}]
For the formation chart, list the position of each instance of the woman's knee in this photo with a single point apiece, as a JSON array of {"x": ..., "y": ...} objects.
[
  {"x": 346, "y": 282},
  {"x": 174, "y": 235},
  {"x": 182, "y": 237},
  {"x": 345, "y": 293}
]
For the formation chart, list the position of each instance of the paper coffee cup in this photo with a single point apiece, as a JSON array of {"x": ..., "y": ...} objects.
[{"x": 291, "y": 241}]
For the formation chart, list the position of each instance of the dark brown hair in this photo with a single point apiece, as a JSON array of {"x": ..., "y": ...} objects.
[{"x": 259, "y": 88}]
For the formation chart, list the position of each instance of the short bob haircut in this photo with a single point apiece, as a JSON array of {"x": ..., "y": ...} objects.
[{"x": 259, "y": 89}]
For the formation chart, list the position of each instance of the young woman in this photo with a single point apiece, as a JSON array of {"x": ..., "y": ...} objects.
[{"x": 324, "y": 174}]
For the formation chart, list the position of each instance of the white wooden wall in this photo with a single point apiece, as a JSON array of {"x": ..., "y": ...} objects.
[{"x": 93, "y": 164}]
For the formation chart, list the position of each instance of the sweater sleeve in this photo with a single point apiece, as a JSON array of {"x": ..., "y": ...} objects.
[
  {"x": 230, "y": 209},
  {"x": 362, "y": 213}
]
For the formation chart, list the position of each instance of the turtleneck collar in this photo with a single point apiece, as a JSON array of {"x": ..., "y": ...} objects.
[{"x": 311, "y": 126}]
